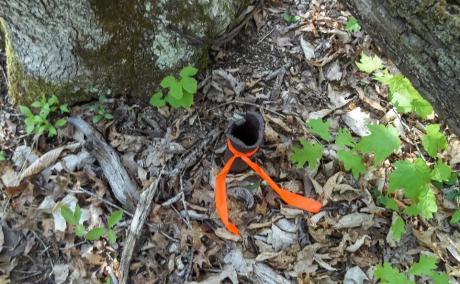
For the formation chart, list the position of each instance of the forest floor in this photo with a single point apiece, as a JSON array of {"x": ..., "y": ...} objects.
[{"x": 291, "y": 70}]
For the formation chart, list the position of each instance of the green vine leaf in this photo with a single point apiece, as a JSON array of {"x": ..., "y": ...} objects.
[
  {"x": 382, "y": 142},
  {"x": 410, "y": 176},
  {"x": 369, "y": 64},
  {"x": 310, "y": 152},
  {"x": 352, "y": 161},
  {"x": 441, "y": 172},
  {"x": 344, "y": 138},
  {"x": 320, "y": 128},
  {"x": 434, "y": 141},
  {"x": 398, "y": 227}
]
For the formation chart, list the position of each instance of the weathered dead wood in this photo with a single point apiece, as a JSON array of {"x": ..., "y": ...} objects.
[
  {"x": 123, "y": 187},
  {"x": 193, "y": 157},
  {"x": 142, "y": 211}
]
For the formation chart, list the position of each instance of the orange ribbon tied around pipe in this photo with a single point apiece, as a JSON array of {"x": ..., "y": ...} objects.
[{"x": 290, "y": 198}]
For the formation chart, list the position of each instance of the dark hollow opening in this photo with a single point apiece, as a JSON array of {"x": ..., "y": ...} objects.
[{"x": 248, "y": 132}]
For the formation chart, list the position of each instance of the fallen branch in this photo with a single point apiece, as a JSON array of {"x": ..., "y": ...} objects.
[
  {"x": 142, "y": 211},
  {"x": 124, "y": 189}
]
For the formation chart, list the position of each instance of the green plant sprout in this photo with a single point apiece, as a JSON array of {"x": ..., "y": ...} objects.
[
  {"x": 73, "y": 218},
  {"x": 426, "y": 266},
  {"x": 180, "y": 92},
  {"x": 99, "y": 110},
  {"x": 352, "y": 25},
  {"x": 40, "y": 123},
  {"x": 291, "y": 19},
  {"x": 403, "y": 95}
]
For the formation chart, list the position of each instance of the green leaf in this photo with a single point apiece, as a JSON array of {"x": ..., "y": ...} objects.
[
  {"x": 52, "y": 131},
  {"x": 79, "y": 230},
  {"x": 25, "y": 111},
  {"x": 290, "y": 19},
  {"x": 168, "y": 81},
  {"x": 68, "y": 215},
  {"x": 175, "y": 90},
  {"x": 175, "y": 103},
  {"x": 389, "y": 275},
  {"x": 344, "y": 138},
  {"x": 36, "y": 104},
  {"x": 320, "y": 128},
  {"x": 45, "y": 111},
  {"x": 60, "y": 122},
  {"x": 410, "y": 176},
  {"x": 108, "y": 116},
  {"x": 187, "y": 100},
  {"x": 352, "y": 161},
  {"x": 404, "y": 96},
  {"x": 30, "y": 127},
  {"x": 64, "y": 108},
  {"x": 310, "y": 152},
  {"x": 424, "y": 267},
  {"x": 2, "y": 156},
  {"x": 95, "y": 234},
  {"x": 352, "y": 25},
  {"x": 422, "y": 107},
  {"x": 398, "y": 228},
  {"x": 388, "y": 202},
  {"x": 97, "y": 118},
  {"x": 455, "y": 217},
  {"x": 157, "y": 100},
  {"x": 382, "y": 142},
  {"x": 441, "y": 172},
  {"x": 440, "y": 278},
  {"x": 369, "y": 64},
  {"x": 77, "y": 213},
  {"x": 189, "y": 84},
  {"x": 426, "y": 205},
  {"x": 114, "y": 218},
  {"x": 188, "y": 71},
  {"x": 434, "y": 141},
  {"x": 53, "y": 100},
  {"x": 112, "y": 237}
]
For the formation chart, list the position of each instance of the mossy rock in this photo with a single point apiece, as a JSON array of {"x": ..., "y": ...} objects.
[{"x": 85, "y": 48}]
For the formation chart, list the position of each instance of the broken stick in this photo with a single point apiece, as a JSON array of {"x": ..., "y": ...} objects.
[
  {"x": 142, "y": 211},
  {"x": 124, "y": 189}
]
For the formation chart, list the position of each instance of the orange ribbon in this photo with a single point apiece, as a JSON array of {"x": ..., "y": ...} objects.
[{"x": 290, "y": 198}]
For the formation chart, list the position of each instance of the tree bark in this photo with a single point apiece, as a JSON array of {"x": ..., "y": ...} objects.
[
  {"x": 84, "y": 48},
  {"x": 423, "y": 39}
]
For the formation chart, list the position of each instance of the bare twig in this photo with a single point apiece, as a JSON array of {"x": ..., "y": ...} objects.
[{"x": 142, "y": 210}]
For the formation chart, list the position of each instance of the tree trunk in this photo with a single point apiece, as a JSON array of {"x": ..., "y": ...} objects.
[
  {"x": 423, "y": 39},
  {"x": 85, "y": 48}
]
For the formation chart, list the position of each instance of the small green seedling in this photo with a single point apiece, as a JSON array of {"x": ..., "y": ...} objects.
[
  {"x": 291, "y": 19},
  {"x": 40, "y": 123},
  {"x": 108, "y": 231},
  {"x": 309, "y": 152},
  {"x": 2, "y": 156},
  {"x": 425, "y": 267},
  {"x": 99, "y": 110},
  {"x": 73, "y": 218},
  {"x": 352, "y": 25},
  {"x": 180, "y": 92}
]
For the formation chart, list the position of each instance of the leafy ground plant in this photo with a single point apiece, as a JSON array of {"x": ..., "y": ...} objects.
[
  {"x": 2, "y": 156},
  {"x": 426, "y": 266},
  {"x": 180, "y": 92},
  {"x": 99, "y": 110},
  {"x": 403, "y": 95},
  {"x": 352, "y": 25},
  {"x": 291, "y": 19},
  {"x": 73, "y": 218},
  {"x": 39, "y": 122}
]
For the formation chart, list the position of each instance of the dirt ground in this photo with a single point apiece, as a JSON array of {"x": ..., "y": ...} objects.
[{"x": 263, "y": 69}]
